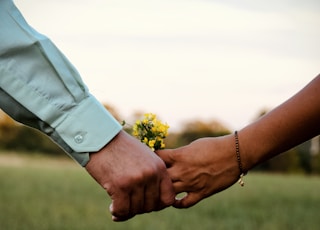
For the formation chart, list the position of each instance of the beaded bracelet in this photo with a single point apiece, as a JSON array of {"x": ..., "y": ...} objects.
[{"x": 242, "y": 173}]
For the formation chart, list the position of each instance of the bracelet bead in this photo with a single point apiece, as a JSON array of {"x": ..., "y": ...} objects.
[{"x": 242, "y": 173}]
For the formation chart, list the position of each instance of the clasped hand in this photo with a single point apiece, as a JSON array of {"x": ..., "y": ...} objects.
[
  {"x": 201, "y": 169},
  {"x": 135, "y": 178},
  {"x": 138, "y": 182}
]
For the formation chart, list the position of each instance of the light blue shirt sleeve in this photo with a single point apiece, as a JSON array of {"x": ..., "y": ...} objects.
[{"x": 40, "y": 88}]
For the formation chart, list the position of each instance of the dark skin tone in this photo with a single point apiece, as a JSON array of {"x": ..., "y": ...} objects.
[
  {"x": 135, "y": 177},
  {"x": 209, "y": 165}
]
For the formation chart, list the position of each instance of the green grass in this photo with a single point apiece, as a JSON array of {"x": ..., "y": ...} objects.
[{"x": 40, "y": 193}]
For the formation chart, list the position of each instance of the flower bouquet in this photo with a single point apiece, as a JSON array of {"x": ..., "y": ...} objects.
[{"x": 151, "y": 131}]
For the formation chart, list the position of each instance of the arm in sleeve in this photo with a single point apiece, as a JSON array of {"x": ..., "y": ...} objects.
[{"x": 40, "y": 88}]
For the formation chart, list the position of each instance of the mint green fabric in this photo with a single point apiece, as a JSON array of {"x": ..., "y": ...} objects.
[{"x": 40, "y": 88}]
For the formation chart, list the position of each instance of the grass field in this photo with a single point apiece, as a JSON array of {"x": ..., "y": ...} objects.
[{"x": 40, "y": 193}]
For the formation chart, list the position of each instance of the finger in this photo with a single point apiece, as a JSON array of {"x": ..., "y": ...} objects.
[
  {"x": 180, "y": 187},
  {"x": 167, "y": 192},
  {"x": 120, "y": 207},
  {"x": 160, "y": 193},
  {"x": 121, "y": 219},
  {"x": 166, "y": 156},
  {"x": 137, "y": 201},
  {"x": 151, "y": 197},
  {"x": 187, "y": 201},
  {"x": 114, "y": 218}
]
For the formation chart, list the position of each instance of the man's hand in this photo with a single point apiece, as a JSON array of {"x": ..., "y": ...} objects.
[{"x": 135, "y": 178}]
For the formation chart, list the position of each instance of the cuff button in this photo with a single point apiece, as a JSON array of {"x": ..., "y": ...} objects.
[{"x": 79, "y": 138}]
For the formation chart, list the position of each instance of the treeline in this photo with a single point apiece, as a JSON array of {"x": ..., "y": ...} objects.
[
  {"x": 19, "y": 138},
  {"x": 304, "y": 158}
]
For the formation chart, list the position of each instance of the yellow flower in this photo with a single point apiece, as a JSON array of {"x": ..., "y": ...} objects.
[
  {"x": 150, "y": 131},
  {"x": 151, "y": 143}
]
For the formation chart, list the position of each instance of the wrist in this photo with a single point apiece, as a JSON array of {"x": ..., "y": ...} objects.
[{"x": 253, "y": 147}]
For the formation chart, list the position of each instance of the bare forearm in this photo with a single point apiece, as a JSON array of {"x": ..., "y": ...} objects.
[
  {"x": 288, "y": 125},
  {"x": 216, "y": 165}
]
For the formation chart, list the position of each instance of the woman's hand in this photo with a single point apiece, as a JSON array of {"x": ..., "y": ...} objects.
[{"x": 202, "y": 168}]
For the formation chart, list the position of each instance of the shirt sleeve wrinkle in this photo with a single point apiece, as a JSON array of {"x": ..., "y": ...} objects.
[{"x": 41, "y": 79}]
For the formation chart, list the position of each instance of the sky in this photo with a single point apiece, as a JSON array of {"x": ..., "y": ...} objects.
[{"x": 185, "y": 60}]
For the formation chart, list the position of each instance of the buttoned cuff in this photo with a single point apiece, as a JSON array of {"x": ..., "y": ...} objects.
[{"x": 87, "y": 128}]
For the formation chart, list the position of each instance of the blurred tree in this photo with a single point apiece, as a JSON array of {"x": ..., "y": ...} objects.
[
  {"x": 315, "y": 155},
  {"x": 287, "y": 162},
  {"x": 304, "y": 155},
  {"x": 113, "y": 111},
  {"x": 193, "y": 130},
  {"x": 8, "y": 129},
  {"x": 17, "y": 137}
]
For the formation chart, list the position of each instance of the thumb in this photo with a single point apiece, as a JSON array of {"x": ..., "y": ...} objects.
[
  {"x": 187, "y": 201},
  {"x": 166, "y": 156}
]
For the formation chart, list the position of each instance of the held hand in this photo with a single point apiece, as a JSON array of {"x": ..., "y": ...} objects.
[
  {"x": 202, "y": 168},
  {"x": 135, "y": 178}
]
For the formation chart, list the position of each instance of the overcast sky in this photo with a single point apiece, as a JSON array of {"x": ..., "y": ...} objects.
[{"x": 186, "y": 59}]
